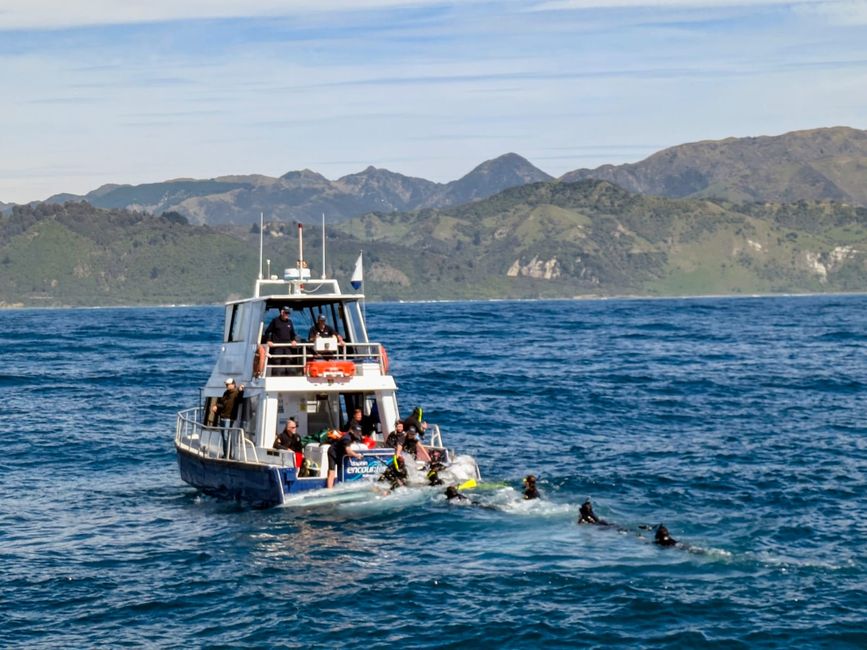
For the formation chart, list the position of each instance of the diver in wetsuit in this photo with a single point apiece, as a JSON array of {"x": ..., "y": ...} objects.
[
  {"x": 587, "y": 516},
  {"x": 452, "y": 493},
  {"x": 395, "y": 473},
  {"x": 530, "y": 491},
  {"x": 433, "y": 471},
  {"x": 662, "y": 537}
]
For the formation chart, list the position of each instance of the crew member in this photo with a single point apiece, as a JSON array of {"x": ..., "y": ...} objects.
[
  {"x": 341, "y": 445},
  {"x": 227, "y": 405},
  {"x": 289, "y": 438},
  {"x": 280, "y": 331},
  {"x": 322, "y": 329}
]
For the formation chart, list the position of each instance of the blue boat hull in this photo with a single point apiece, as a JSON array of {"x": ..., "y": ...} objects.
[{"x": 263, "y": 486}]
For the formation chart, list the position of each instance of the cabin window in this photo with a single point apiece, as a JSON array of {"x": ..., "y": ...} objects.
[
  {"x": 354, "y": 328},
  {"x": 249, "y": 414},
  {"x": 236, "y": 317},
  {"x": 231, "y": 315}
]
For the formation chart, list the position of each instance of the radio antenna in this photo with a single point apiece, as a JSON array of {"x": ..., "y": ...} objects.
[
  {"x": 323, "y": 245},
  {"x": 261, "y": 235}
]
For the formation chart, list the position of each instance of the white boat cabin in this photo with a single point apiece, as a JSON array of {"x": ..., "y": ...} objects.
[{"x": 318, "y": 384}]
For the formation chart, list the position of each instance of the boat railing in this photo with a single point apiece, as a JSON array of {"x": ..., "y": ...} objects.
[
  {"x": 285, "y": 357},
  {"x": 230, "y": 443},
  {"x": 436, "y": 437}
]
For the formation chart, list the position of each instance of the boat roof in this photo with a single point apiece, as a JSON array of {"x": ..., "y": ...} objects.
[{"x": 308, "y": 291}]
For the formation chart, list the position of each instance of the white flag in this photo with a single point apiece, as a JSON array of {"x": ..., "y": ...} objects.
[{"x": 357, "y": 275}]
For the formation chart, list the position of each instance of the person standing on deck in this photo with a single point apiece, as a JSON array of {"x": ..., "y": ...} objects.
[
  {"x": 280, "y": 331},
  {"x": 340, "y": 446},
  {"x": 324, "y": 330},
  {"x": 226, "y": 407},
  {"x": 226, "y": 410}
]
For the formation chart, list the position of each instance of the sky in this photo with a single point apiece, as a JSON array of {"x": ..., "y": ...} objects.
[{"x": 136, "y": 91}]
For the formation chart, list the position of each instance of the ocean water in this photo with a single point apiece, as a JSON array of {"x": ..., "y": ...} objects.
[{"x": 739, "y": 423}]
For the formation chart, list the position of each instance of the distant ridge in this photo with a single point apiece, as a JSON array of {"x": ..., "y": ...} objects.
[
  {"x": 811, "y": 165},
  {"x": 304, "y": 195}
]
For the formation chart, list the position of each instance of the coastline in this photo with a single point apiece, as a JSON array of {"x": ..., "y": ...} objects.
[{"x": 578, "y": 298}]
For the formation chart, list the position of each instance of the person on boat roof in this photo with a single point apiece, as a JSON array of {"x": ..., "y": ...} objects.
[
  {"x": 341, "y": 445},
  {"x": 280, "y": 331},
  {"x": 289, "y": 438},
  {"x": 530, "y": 491},
  {"x": 226, "y": 407}
]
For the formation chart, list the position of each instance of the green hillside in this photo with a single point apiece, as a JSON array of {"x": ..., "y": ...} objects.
[{"x": 541, "y": 240}]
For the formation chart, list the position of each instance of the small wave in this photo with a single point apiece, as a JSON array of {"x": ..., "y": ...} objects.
[{"x": 786, "y": 562}]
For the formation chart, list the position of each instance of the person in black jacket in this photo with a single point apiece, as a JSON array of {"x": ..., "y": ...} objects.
[
  {"x": 289, "y": 438},
  {"x": 226, "y": 410},
  {"x": 280, "y": 331},
  {"x": 226, "y": 407},
  {"x": 341, "y": 445}
]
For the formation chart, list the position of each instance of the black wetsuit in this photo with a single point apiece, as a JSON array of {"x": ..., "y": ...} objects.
[
  {"x": 663, "y": 538},
  {"x": 412, "y": 425},
  {"x": 530, "y": 492},
  {"x": 395, "y": 475},
  {"x": 587, "y": 516},
  {"x": 433, "y": 476}
]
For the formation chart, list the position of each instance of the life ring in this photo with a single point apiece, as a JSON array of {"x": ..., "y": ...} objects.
[
  {"x": 384, "y": 355},
  {"x": 326, "y": 369},
  {"x": 259, "y": 361}
]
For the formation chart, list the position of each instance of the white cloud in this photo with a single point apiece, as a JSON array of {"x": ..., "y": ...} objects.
[
  {"x": 56, "y": 14},
  {"x": 429, "y": 91},
  {"x": 837, "y": 12},
  {"x": 665, "y": 4}
]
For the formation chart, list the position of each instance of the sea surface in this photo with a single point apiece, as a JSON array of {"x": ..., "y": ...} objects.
[{"x": 739, "y": 423}]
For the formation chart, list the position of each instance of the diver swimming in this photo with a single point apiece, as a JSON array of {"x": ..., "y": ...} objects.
[{"x": 587, "y": 516}]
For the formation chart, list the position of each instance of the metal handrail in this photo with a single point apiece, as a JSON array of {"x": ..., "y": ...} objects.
[
  {"x": 215, "y": 442},
  {"x": 436, "y": 437},
  {"x": 299, "y": 355}
]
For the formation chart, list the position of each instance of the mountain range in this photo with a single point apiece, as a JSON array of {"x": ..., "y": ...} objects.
[
  {"x": 539, "y": 240},
  {"x": 813, "y": 165},
  {"x": 305, "y": 195}
]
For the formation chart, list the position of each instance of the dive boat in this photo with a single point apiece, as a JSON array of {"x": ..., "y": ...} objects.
[{"x": 318, "y": 384}]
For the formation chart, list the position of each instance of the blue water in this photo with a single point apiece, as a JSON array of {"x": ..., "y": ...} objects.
[{"x": 738, "y": 423}]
